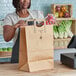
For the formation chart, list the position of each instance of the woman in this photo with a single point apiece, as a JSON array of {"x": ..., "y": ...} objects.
[{"x": 13, "y": 21}]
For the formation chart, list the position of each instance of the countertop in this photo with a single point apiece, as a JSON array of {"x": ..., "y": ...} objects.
[{"x": 9, "y": 69}]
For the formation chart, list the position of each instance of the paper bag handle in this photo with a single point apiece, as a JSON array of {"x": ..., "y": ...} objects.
[{"x": 39, "y": 28}]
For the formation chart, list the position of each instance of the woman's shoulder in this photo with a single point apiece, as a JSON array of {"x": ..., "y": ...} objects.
[
  {"x": 11, "y": 14},
  {"x": 10, "y": 18}
]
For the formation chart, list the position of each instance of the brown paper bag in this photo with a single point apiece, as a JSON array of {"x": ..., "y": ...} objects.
[{"x": 36, "y": 48}]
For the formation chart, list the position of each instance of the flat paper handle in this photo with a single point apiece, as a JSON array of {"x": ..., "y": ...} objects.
[
  {"x": 40, "y": 28},
  {"x": 36, "y": 28}
]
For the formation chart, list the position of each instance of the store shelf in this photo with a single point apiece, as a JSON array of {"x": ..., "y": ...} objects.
[
  {"x": 61, "y": 43},
  {"x": 65, "y": 18},
  {"x": 5, "y": 53},
  {"x": 62, "y": 39},
  {"x": 5, "y": 59}
]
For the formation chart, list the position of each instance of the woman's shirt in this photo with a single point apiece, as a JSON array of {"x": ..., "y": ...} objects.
[{"x": 12, "y": 18}]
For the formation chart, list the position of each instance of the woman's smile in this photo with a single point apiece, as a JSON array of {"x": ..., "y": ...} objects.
[{"x": 25, "y": 3}]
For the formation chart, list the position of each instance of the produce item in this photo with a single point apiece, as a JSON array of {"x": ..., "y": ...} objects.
[
  {"x": 9, "y": 49},
  {"x": 55, "y": 29},
  {"x": 58, "y": 8},
  {"x": 50, "y": 19},
  {"x": 4, "y": 49},
  {"x": 63, "y": 8},
  {"x": 66, "y": 14},
  {"x": 65, "y": 34},
  {"x": 63, "y": 30},
  {"x": 61, "y": 14},
  {"x": 56, "y": 14},
  {"x": 67, "y": 25},
  {"x": 1, "y": 49}
]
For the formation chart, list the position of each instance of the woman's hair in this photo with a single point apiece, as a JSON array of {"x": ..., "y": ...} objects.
[{"x": 16, "y": 4}]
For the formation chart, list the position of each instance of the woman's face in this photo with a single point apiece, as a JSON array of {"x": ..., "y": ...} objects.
[{"x": 24, "y": 4}]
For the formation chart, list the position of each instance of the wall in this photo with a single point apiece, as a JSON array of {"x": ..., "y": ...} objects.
[{"x": 5, "y": 8}]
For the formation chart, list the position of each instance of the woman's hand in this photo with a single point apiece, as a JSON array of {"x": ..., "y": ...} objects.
[
  {"x": 20, "y": 23},
  {"x": 9, "y": 31}
]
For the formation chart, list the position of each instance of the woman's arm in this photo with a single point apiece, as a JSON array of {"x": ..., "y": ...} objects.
[{"x": 9, "y": 31}]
